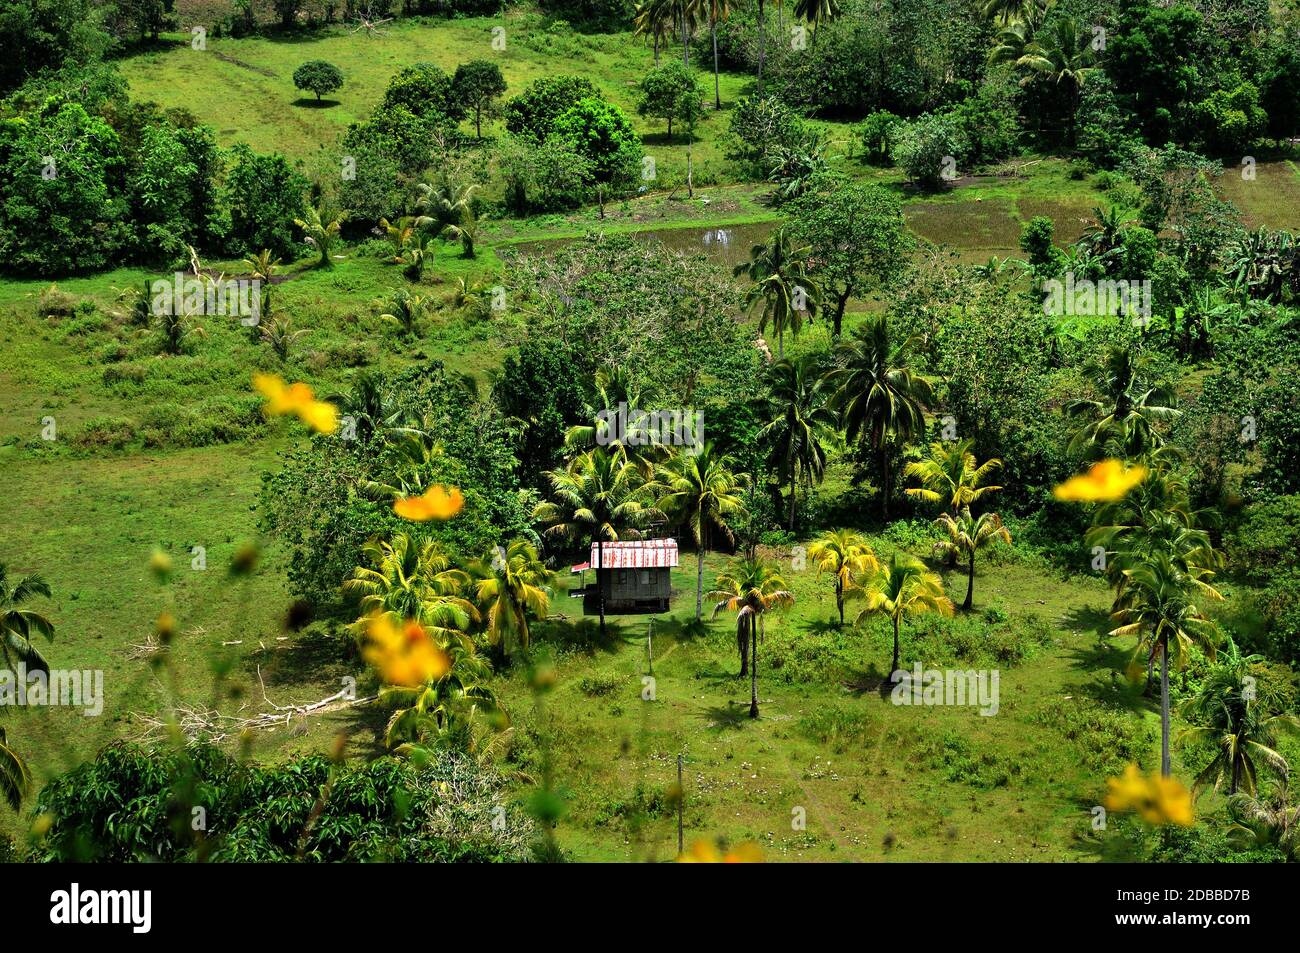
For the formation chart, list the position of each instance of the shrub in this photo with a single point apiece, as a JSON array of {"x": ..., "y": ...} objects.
[
  {"x": 877, "y": 136},
  {"x": 927, "y": 149}
]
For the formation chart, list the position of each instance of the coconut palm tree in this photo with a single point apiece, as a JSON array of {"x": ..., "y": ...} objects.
[
  {"x": 814, "y": 12},
  {"x": 512, "y": 585},
  {"x": 879, "y": 397},
  {"x": 15, "y": 777},
  {"x": 1006, "y": 12},
  {"x": 321, "y": 226},
  {"x": 847, "y": 557},
  {"x": 901, "y": 589},
  {"x": 654, "y": 18},
  {"x": 719, "y": 10},
  {"x": 1127, "y": 410},
  {"x": 372, "y": 405},
  {"x": 599, "y": 497},
  {"x": 951, "y": 476},
  {"x": 700, "y": 490},
  {"x": 1062, "y": 55},
  {"x": 967, "y": 535},
  {"x": 280, "y": 335},
  {"x": 781, "y": 280},
  {"x": 444, "y": 713},
  {"x": 1244, "y": 724},
  {"x": 405, "y": 311},
  {"x": 616, "y": 392},
  {"x": 799, "y": 414},
  {"x": 412, "y": 579},
  {"x": 750, "y": 588},
  {"x": 1105, "y": 234},
  {"x": 450, "y": 207},
  {"x": 1158, "y": 607},
  {"x": 18, "y": 624}
]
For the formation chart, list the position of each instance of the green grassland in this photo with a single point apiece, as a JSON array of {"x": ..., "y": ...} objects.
[{"x": 137, "y": 471}]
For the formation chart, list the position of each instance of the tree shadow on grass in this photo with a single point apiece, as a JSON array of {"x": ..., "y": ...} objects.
[
  {"x": 311, "y": 102},
  {"x": 311, "y": 656},
  {"x": 871, "y": 680},
  {"x": 729, "y": 717},
  {"x": 1088, "y": 620},
  {"x": 580, "y": 634}
]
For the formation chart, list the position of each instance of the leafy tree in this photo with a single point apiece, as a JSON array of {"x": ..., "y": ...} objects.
[
  {"x": 265, "y": 196},
  {"x": 533, "y": 112},
  {"x": 967, "y": 535},
  {"x": 758, "y": 125},
  {"x": 779, "y": 270},
  {"x": 540, "y": 387},
  {"x": 478, "y": 84},
  {"x": 927, "y": 146},
  {"x": 603, "y": 135},
  {"x": 427, "y": 93},
  {"x": 546, "y": 176},
  {"x": 670, "y": 92},
  {"x": 319, "y": 77},
  {"x": 700, "y": 490},
  {"x": 877, "y": 135},
  {"x": 901, "y": 589},
  {"x": 847, "y": 556},
  {"x": 39, "y": 36},
  {"x": 750, "y": 588},
  {"x": 18, "y": 624},
  {"x": 799, "y": 414},
  {"x": 879, "y": 397},
  {"x": 856, "y": 236}
]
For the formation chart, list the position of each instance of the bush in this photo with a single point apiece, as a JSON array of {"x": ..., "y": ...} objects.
[
  {"x": 927, "y": 149},
  {"x": 136, "y": 804},
  {"x": 877, "y": 136},
  {"x": 1266, "y": 541},
  {"x": 759, "y": 126}
]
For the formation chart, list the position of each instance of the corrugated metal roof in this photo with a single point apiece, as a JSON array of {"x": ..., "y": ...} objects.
[{"x": 635, "y": 554}]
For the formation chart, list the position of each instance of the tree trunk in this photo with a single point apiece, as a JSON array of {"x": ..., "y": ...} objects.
[
  {"x": 839, "y": 598},
  {"x": 884, "y": 479},
  {"x": 970, "y": 584},
  {"x": 713, "y": 29},
  {"x": 742, "y": 643},
  {"x": 793, "y": 473},
  {"x": 478, "y": 122},
  {"x": 753, "y": 670},
  {"x": 600, "y": 589},
  {"x": 1166, "y": 766},
  {"x": 656, "y": 49},
  {"x": 762, "y": 44},
  {"x": 699, "y": 581},
  {"x": 840, "y": 305},
  {"x": 670, "y": 128},
  {"x": 894, "y": 665}
]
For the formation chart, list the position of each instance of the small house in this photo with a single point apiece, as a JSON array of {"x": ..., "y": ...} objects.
[{"x": 634, "y": 575}]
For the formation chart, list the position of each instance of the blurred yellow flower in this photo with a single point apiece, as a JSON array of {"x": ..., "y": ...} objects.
[
  {"x": 1157, "y": 800},
  {"x": 1105, "y": 482},
  {"x": 706, "y": 852},
  {"x": 298, "y": 399},
  {"x": 403, "y": 655},
  {"x": 436, "y": 503}
]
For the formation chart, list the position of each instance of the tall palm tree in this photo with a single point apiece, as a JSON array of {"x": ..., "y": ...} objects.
[
  {"x": 762, "y": 44},
  {"x": 700, "y": 490},
  {"x": 599, "y": 497},
  {"x": 512, "y": 586},
  {"x": 1244, "y": 725},
  {"x": 1127, "y": 410},
  {"x": 653, "y": 18},
  {"x": 615, "y": 389},
  {"x": 411, "y": 579},
  {"x": 1006, "y": 12},
  {"x": 967, "y": 535},
  {"x": 18, "y": 625},
  {"x": 1158, "y": 607},
  {"x": 847, "y": 556},
  {"x": 951, "y": 476},
  {"x": 750, "y": 588},
  {"x": 371, "y": 405},
  {"x": 718, "y": 10},
  {"x": 799, "y": 414},
  {"x": 781, "y": 280},
  {"x": 879, "y": 397},
  {"x": 901, "y": 589},
  {"x": 15, "y": 777}
]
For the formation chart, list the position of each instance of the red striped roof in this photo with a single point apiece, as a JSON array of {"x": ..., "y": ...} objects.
[{"x": 635, "y": 554}]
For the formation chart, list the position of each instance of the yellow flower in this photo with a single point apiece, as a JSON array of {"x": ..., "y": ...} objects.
[
  {"x": 298, "y": 399},
  {"x": 1105, "y": 482},
  {"x": 1157, "y": 800},
  {"x": 404, "y": 655},
  {"x": 706, "y": 852},
  {"x": 437, "y": 503}
]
